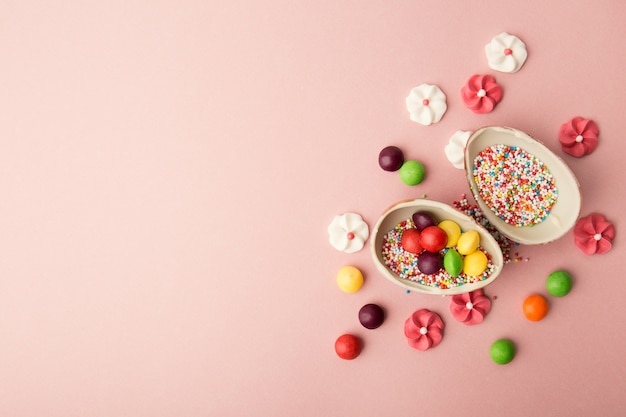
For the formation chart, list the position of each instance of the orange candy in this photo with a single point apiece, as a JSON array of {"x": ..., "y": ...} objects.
[{"x": 535, "y": 307}]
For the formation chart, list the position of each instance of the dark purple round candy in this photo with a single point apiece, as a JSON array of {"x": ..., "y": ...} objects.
[
  {"x": 429, "y": 263},
  {"x": 391, "y": 158},
  {"x": 422, "y": 220},
  {"x": 371, "y": 316}
]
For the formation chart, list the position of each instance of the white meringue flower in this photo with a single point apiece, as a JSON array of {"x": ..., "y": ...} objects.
[
  {"x": 455, "y": 149},
  {"x": 426, "y": 104},
  {"x": 506, "y": 53},
  {"x": 348, "y": 232}
]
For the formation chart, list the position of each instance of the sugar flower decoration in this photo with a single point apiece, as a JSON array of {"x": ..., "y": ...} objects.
[
  {"x": 455, "y": 149},
  {"x": 424, "y": 329},
  {"x": 481, "y": 93},
  {"x": 506, "y": 53},
  {"x": 470, "y": 308},
  {"x": 426, "y": 104},
  {"x": 348, "y": 232},
  {"x": 578, "y": 137},
  {"x": 593, "y": 234}
]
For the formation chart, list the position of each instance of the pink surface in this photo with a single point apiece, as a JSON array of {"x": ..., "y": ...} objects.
[{"x": 168, "y": 171}]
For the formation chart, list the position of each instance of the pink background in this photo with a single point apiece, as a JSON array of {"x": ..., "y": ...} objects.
[{"x": 168, "y": 170}]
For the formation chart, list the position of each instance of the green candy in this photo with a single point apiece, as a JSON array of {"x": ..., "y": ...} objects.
[
  {"x": 412, "y": 172},
  {"x": 453, "y": 262},
  {"x": 502, "y": 351},
  {"x": 559, "y": 283}
]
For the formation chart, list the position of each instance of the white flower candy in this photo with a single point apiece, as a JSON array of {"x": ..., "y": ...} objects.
[
  {"x": 348, "y": 232},
  {"x": 506, "y": 53},
  {"x": 455, "y": 149},
  {"x": 426, "y": 104}
]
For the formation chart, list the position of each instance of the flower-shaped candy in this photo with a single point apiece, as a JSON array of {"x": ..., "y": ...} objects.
[
  {"x": 471, "y": 307},
  {"x": 424, "y": 329},
  {"x": 579, "y": 136},
  {"x": 426, "y": 104},
  {"x": 506, "y": 53},
  {"x": 348, "y": 232},
  {"x": 593, "y": 234},
  {"x": 481, "y": 93},
  {"x": 455, "y": 149}
]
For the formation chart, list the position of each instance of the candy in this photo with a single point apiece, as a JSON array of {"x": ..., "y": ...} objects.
[
  {"x": 412, "y": 172},
  {"x": 371, "y": 316},
  {"x": 349, "y": 279},
  {"x": 422, "y": 220},
  {"x": 535, "y": 307},
  {"x": 390, "y": 158},
  {"x": 502, "y": 351},
  {"x": 453, "y": 262},
  {"x": 429, "y": 262},
  {"x": 348, "y": 346},
  {"x": 411, "y": 241},
  {"x": 515, "y": 184},
  {"x": 559, "y": 283},
  {"x": 433, "y": 238},
  {"x": 453, "y": 231},
  {"x": 475, "y": 263},
  {"x": 468, "y": 242}
]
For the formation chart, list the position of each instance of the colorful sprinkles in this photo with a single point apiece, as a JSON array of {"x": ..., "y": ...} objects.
[
  {"x": 404, "y": 264},
  {"x": 506, "y": 244},
  {"x": 515, "y": 184}
]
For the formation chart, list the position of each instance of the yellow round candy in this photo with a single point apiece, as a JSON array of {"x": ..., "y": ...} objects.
[
  {"x": 349, "y": 279},
  {"x": 475, "y": 263},
  {"x": 468, "y": 242},
  {"x": 453, "y": 231}
]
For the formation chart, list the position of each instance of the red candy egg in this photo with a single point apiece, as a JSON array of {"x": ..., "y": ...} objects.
[
  {"x": 348, "y": 346},
  {"x": 410, "y": 241},
  {"x": 433, "y": 238}
]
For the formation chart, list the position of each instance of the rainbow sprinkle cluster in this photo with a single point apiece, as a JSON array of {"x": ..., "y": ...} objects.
[
  {"x": 515, "y": 185},
  {"x": 404, "y": 264}
]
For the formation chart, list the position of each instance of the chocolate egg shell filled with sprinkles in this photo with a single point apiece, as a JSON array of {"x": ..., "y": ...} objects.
[
  {"x": 524, "y": 190},
  {"x": 403, "y": 268}
]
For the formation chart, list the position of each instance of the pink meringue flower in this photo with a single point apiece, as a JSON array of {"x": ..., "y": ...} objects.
[
  {"x": 470, "y": 308},
  {"x": 424, "y": 329},
  {"x": 481, "y": 93},
  {"x": 593, "y": 234},
  {"x": 578, "y": 137}
]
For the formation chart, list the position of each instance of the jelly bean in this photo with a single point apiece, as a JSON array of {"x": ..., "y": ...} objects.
[
  {"x": 453, "y": 230},
  {"x": 535, "y": 307},
  {"x": 349, "y": 279},
  {"x": 559, "y": 283},
  {"x": 410, "y": 241},
  {"x": 468, "y": 242},
  {"x": 475, "y": 263},
  {"x": 412, "y": 172},
  {"x": 347, "y": 346},
  {"x": 502, "y": 351},
  {"x": 453, "y": 262},
  {"x": 433, "y": 238}
]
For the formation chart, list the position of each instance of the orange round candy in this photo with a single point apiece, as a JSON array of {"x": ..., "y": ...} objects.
[{"x": 535, "y": 307}]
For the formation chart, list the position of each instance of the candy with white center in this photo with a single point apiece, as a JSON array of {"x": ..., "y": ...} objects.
[
  {"x": 348, "y": 232},
  {"x": 506, "y": 53},
  {"x": 426, "y": 104}
]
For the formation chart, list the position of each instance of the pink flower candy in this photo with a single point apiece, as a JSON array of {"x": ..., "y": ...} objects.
[
  {"x": 424, "y": 329},
  {"x": 470, "y": 308},
  {"x": 481, "y": 93},
  {"x": 578, "y": 137},
  {"x": 593, "y": 234}
]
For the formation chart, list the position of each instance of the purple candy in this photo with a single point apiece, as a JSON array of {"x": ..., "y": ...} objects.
[
  {"x": 422, "y": 220},
  {"x": 371, "y": 316},
  {"x": 391, "y": 158},
  {"x": 429, "y": 263}
]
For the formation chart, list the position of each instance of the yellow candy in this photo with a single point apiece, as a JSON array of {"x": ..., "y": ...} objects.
[
  {"x": 349, "y": 279},
  {"x": 468, "y": 242},
  {"x": 475, "y": 263},
  {"x": 453, "y": 231}
]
